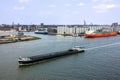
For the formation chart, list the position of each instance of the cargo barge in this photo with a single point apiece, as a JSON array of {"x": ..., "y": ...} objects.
[{"x": 38, "y": 58}]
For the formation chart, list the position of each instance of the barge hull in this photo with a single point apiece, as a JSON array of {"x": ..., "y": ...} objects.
[{"x": 38, "y": 58}]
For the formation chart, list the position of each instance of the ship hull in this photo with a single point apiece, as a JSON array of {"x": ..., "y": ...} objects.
[
  {"x": 38, "y": 58},
  {"x": 95, "y": 35},
  {"x": 41, "y": 32}
]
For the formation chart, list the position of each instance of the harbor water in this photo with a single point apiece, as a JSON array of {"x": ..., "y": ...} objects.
[{"x": 100, "y": 61}]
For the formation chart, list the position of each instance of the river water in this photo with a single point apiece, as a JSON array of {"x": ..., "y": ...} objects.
[{"x": 100, "y": 61}]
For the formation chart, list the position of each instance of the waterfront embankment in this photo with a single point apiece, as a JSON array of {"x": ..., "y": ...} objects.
[{"x": 10, "y": 39}]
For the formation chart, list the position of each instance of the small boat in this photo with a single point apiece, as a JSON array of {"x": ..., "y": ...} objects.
[
  {"x": 41, "y": 31},
  {"x": 99, "y": 33},
  {"x": 75, "y": 35},
  {"x": 118, "y": 32},
  {"x": 35, "y": 59}
]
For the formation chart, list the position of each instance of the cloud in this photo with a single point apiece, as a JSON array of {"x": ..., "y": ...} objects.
[
  {"x": 102, "y": 8},
  {"x": 75, "y": 12},
  {"x": 95, "y": 0},
  {"x": 106, "y": 0},
  {"x": 67, "y": 5},
  {"x": 52, "y": 6},
  {"x": 19, "y": 8},
  {"x": 24, "y": 1},
  {"x": 45, "y": 13},
  {"x": 103, "y": 1},
  {"x": 81, "y": 4}
]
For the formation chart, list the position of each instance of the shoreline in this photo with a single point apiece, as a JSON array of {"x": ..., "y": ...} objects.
[{"x": 9, "y": 39}]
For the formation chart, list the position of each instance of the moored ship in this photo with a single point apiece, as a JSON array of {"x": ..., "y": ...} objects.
[
  {"x": 38, "y": 58},
  {"x": 41, "y": 31},
  {"x": 99, "y": 33}
]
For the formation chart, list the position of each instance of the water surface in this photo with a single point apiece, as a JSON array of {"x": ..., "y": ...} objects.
[{"x": 95, "y": 64}]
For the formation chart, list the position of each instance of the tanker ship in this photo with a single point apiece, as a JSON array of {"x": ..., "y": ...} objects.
[{"x": 99, "y": 33}]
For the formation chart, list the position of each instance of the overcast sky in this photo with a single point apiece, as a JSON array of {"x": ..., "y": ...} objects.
[{"x": 59, "y": 11}]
